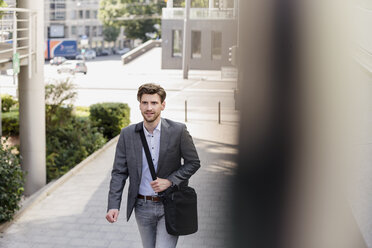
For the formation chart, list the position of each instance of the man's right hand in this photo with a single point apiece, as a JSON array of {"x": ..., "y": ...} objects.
[{"x": 112, "y": 215}]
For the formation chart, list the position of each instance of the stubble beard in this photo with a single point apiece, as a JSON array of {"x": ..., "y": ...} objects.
[{"x": 151, "y": 120}]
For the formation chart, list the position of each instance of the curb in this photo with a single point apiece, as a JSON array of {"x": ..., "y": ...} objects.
[{"x": 52, "y": 186}]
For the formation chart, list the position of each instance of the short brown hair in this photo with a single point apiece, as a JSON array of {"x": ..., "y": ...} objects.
[{"x": 151, "y": 89}]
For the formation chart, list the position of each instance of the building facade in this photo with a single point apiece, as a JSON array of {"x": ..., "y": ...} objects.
[
  {"x": 213, "y": 31},
  {"x": 74, "y": 19}
]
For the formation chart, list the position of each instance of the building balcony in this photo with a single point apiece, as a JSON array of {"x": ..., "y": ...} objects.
[
  {"x": 17, "y": 35},
  {"x": 199, "y": 13}
]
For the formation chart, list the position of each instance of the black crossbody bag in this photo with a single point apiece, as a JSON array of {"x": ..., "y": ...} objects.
[{"x": 180, "y": 203}]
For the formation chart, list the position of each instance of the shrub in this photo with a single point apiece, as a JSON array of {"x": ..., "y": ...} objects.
[
  {"x": 7, "y": 102},
  {"x": 69, "y": 138},
  {"x": 11, "y": 182},
  {"x": 80, "y": 111},
  {"x": 110, "y": 118},
  {"x": 58, "y": 99},
  {"x": 69, "y": 144},
  {"x": 10, "y": 123}
]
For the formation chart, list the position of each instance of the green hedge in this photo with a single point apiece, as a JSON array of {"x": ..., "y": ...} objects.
[
  {"x": 110, "y": 117},
  {"x": 69, "y": 144},
  {"x": 11, "y": 183},
  {"x": 10, "y": 123},
  {"x": 7, "y": 102}
]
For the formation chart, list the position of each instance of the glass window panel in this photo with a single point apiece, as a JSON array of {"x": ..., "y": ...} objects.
[
  {"x": 94, "y": 31},
  {"x": 195, "y": 44},
  {"x": 216, "y": 45},
  {"x": 73, "y": 30},
  {"x": 177, "y": 43},
  {"x": 87, "y": 29}
]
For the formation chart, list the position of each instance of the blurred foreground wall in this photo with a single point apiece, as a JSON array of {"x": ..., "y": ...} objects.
[{"x": 305, "y": 133}]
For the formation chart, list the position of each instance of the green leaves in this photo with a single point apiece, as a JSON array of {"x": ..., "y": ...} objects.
[
  {"x": 110, "y": 118},
  {"x": 7, "y": 102},
  {"x": 69, "y": 144},
  {"x": 110, "y": 33},
  {"x": 112, "y": 10},
  {"x": 11, "y": 182},
  {"x": 69, "y": 138}
]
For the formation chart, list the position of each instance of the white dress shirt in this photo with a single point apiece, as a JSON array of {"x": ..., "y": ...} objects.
[{"x": 153, "y": 141}]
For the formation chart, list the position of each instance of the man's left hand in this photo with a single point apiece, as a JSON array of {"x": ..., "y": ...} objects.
[{"x": 160, "y": 184}]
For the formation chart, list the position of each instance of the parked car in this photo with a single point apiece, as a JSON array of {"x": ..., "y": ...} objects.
[
  {"x": 105, "y": 52},
  {"x": 123, "y": 51},
  {"x": 73, "y": 67},
  {"x": 57, "y": 60},
  {"x": 90, "y": 54}
]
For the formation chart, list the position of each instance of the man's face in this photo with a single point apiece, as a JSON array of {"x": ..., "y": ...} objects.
[{"x": 151, "y": 107}]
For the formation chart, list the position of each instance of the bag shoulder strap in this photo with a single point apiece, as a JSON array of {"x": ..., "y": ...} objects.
[{"x": 148, "y": 155}]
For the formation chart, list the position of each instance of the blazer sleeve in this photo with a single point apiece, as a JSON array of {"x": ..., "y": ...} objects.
[
  {"x": 119, "y": 175},
  {"x": 190, "y": 157}
]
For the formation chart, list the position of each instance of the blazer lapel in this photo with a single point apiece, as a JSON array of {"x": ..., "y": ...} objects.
[
  {"x": 164, "y": 141},
  {"x": 138, "y": 148}
]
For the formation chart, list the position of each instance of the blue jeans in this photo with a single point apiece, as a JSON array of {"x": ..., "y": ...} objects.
[{"x": 151, "y": 225}]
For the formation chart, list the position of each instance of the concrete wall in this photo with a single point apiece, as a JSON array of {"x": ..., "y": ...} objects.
[{"x": 229, "y": 38}]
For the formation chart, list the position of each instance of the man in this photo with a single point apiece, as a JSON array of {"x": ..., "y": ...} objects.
[{"x": 169, "y": 142}]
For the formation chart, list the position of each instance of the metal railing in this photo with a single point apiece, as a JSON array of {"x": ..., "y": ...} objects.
[
  {"x": 199, "y": 13},
  {"x": 17, "y": 34},
  {"x": 138, "y": 51}
]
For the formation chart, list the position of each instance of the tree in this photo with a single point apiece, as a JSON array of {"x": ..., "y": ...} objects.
[
  {"x": 58, "y": 102},
  {"x": 194, "y": 3},
  {"x": 137, "y": 17},
  {"x": 110, "y": 33},
  {"x": 3, "y": 4}
]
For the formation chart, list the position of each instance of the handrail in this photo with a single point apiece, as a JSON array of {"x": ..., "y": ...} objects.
[
  {"x": 138, "y": 51},
  {"x": 17, "y": 10},
  {"x": 199, "y": 13},
  {"x": 15, "y": 39}
]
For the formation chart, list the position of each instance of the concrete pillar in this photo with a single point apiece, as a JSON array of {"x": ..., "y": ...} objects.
[{"x": 32, "y": 108}]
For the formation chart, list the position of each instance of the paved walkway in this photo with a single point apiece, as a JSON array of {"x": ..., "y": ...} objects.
[{"x": 73, "y": 215}]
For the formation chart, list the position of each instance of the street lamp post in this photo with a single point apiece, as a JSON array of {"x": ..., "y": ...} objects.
[{"x": 186, "y": 43}]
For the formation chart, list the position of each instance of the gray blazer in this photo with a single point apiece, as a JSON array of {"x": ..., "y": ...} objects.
[{"x": 175, "y": 143}]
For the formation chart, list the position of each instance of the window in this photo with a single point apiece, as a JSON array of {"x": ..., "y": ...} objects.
[
  {"x": 81, "y": 14},
  {"x": 60, "y": 15},
  {"x": 87, "y": 14},
  {"x": 60, "y": 6},
  {"x": 216, "y": 45},
  {"x": 73, "y": 15},
  {"x": 100, "y": 31},
  {"x": 80, "y": 30},
  {"x": 94, "y": 31},
  {"x": 195, "y": 44},
  {"x": 177, "y": 43},
  {"x": 95, "y": 14},
  {"x": 87, "y": 29},
  {"x": 73, "y": 30}
]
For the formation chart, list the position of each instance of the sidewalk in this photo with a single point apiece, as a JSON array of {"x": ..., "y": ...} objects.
[{"x": 74, "y": 214}]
